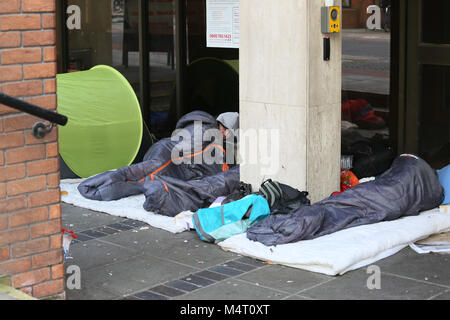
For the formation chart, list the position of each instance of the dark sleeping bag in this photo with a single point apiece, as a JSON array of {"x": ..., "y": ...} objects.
[
  {"x": 188, "y": 195},
  {"x": 173, "y": 176},
  {"x": 407, "y": 188}
]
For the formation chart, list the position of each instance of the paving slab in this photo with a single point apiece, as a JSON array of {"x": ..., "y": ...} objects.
[
  {"x": 90, "y": 293},
  {"x": 234, "y": 289},
  {"x": 146, "y": 263},
  {"x": 182, "y": 285},
  {"x": 357, "y": 285},
  {"x": 443, "y": 296},
  {"x": 430, "y": 268},
  {"x": 199, "y": 280},
  {"x": 296, "y": 297},
  {"x": 285, "y": 279},
  {"x": 133, "y": 275},
  {"x": 78, "y": 219},
  {"x": 185, "y": 247},
  {"x": 95, "y": 253},
  {"x": 148, "y": 295}
]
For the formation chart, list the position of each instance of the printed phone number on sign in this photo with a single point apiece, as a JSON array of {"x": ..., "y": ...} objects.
[{"x": 220, "y": 36}]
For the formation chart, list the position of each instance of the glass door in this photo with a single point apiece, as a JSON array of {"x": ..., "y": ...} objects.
[
  {"x": 160, "y": 47},
  {"x": 427, "y": 112},
  {"x": 211, "y": 76},
  {"x": 102, "y": 32},
  {"x": 368, "y": 123},
  {"x": 163, "y": 64}
]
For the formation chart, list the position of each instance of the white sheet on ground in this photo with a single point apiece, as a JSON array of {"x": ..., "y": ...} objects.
[
  {"x": 130, "y": 207},
  {"x": 333, "y": 254},
  {"x": 348, "y": 249}
]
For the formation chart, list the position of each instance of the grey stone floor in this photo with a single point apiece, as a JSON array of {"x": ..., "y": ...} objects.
[{"x": 125, "y": 259}]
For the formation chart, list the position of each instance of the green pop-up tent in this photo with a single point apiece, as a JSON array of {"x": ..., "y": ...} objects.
[{"x": 105, "y": 126}]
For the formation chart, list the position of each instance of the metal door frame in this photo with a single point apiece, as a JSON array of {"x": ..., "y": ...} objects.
[
  {"x": 411, "y": 54},
  {"x": 144, "y": 44}
]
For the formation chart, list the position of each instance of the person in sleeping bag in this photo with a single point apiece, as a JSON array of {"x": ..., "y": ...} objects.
[
  {"x": 229, "y": 127},
  {"x": 187, "y": 171},
  {"x": 409, "y": 187}
]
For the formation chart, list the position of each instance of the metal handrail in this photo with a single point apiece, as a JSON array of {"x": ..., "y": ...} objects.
[
  {"x": 39, "y": 128},
  {"x": 27, "y": 107}
]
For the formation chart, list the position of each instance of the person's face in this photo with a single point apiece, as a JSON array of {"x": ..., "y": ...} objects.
[{"x": 223, "y": 130}]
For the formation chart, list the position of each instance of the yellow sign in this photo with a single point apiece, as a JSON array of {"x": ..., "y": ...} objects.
[{"x": 331, "y": 19}]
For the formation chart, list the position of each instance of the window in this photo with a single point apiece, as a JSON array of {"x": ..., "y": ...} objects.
[{"x": 365, "y": 131}]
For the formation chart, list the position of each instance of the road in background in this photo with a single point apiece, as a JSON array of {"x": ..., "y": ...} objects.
[{"x": 366, "y": 61}]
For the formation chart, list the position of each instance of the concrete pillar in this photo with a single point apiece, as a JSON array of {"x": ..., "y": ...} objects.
[{"x": 289, "y": 96}]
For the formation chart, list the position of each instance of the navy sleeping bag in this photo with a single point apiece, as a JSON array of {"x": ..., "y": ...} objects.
[
  {"x": 407, "y": 188},
  {"x": 172, "y": 186}
]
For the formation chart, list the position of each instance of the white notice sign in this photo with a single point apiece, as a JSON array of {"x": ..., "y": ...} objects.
[{"x": 222, "y": 23}]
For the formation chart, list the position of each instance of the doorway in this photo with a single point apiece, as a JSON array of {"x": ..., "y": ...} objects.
[
  {"x": 427, "y": 81},
  {"x": 367, "y": 128},
  {"x": 160, "y": 48},
  {"x": 414, "y": 61}
]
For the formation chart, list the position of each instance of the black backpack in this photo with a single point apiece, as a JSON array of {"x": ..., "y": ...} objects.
[
  {"x": 371, "y": 157},
  {"x": 282, "y": 198},
  {"x": 243, "y": 190}
]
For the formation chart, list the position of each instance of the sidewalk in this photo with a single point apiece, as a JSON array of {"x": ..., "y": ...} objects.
[{"x": 126, "y": 259}]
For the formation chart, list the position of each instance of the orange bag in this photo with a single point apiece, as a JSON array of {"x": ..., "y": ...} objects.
[{"x": 348, "y": 180}]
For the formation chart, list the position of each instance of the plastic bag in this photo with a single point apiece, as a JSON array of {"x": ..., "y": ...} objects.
[{"x": 68, "y": 236}]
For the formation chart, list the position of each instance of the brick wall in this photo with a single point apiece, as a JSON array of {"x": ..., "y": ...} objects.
[
  {"x": 31, "y": 257},
  {"x": 356, "y": 16}
]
